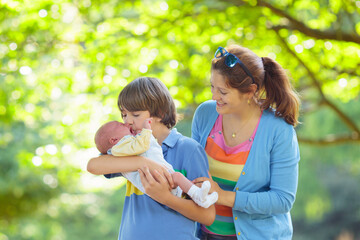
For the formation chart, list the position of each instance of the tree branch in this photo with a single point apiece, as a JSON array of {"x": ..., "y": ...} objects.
[
  {"x": 348, "y": 121},
  {"x": 352, "y": 72},
  {"x": 315, "y": 33},
  {"x": 324, "y": 101},
  {"x": 332, "y": 139},
  {"x": 310, "y": 73}
]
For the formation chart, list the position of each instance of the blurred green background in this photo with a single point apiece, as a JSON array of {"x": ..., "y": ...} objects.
[{"x": 63, "y": 63}]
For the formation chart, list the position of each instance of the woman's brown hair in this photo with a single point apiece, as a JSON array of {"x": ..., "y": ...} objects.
[
  {"x": 149, "y": 94},
  {"x": 273, "y": 86}
]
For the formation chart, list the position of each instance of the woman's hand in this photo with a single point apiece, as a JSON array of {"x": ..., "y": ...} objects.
[
  {"x": 214, "y": 186},
  {"x": 226, "y": 198},
  {"x": 155, "y": 185}
]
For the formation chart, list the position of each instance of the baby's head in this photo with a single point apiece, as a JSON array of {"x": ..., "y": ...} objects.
[{"x": 109, "y": 134}]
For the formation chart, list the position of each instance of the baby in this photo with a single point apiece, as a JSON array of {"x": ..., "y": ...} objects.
[{"x": 119, "y": 139}]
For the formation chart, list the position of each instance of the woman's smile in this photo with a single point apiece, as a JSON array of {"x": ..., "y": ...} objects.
[{"x": 220, "y": 104}]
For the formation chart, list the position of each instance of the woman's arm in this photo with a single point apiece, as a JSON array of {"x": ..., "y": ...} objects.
[
  {"x": 157, "y": 188},
  {"x": 279, "y": 199},
  {"x": 106, "y": 164}
]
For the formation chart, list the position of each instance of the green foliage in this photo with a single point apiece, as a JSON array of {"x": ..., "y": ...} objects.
[
  {"x": 326, "y": 205},
  {"x": 78, "y": 215},
  {"x": 63, "y": 63}
]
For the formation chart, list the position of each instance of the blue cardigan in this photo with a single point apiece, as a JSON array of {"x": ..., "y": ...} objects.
[{"x": 266, "y": 189}]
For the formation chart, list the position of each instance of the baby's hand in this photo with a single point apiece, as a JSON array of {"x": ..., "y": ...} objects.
[{"x": 147, "y": 123}]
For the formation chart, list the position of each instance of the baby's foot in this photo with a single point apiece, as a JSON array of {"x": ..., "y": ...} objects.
[
  {"x": 209, "y": 200},
  {"x": 176, "y": 191},
  {"x": 201, "y": 195},
  {"x": 205, "y": 188}
]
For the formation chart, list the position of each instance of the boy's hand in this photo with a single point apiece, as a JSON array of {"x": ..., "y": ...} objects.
[
  {"x": 155, "y": 185},
  {"x": 160, "y": 169}
]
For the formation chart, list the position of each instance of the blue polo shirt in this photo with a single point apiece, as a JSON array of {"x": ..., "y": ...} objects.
[{"x": 144, "y": 218}]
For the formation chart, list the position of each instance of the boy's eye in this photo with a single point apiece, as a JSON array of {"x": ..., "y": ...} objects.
[{"x": 135, "y": 114}]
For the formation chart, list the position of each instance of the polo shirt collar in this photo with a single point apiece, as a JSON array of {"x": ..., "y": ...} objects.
[{"x": 172, "y": 138}]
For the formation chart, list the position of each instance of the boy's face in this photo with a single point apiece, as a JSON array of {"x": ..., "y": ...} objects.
[{"x": 135, "y": 119}]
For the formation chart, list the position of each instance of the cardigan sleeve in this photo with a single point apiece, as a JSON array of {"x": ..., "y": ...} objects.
[
  {"x": 203, "y": 121},
  {"x": 279, "y": 196},
  {"x": 195, "y": 133}
]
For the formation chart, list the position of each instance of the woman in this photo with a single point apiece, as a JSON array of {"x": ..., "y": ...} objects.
[{"x": 248, "y": 134}]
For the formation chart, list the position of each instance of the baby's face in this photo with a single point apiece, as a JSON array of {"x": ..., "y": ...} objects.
[{"x": 121, "y": 129}]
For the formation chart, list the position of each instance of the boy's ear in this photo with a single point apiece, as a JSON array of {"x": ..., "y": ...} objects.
[{"x": 156, "y": 119}]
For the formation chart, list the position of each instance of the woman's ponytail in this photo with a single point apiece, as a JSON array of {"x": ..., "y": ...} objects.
[{"x": 279, "y": 92}]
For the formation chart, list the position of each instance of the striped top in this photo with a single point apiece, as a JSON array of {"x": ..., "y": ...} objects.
[{"x": 225, "y": 165}]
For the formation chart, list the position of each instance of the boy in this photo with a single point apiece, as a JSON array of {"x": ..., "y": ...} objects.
[{"x": 158, "y": 214}]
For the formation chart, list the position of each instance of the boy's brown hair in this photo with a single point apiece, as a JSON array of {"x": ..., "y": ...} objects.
[{"x": 149, "y": 94}]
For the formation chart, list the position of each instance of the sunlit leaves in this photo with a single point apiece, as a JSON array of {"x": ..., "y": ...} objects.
[{"x": 63, "y": 63}]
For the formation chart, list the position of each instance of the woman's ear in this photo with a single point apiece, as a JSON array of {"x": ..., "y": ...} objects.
[{"x": 253, "y": 89}]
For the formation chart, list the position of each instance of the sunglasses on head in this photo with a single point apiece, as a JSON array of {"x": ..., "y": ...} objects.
[{"x": 231, "y": 60}]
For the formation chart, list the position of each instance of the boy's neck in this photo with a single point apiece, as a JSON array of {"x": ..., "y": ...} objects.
[{"x": 160, "y": 132}]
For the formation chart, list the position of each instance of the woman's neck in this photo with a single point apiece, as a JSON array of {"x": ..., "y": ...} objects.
[
  {"x": 244, "y": 116},
  {"x": 239, "y": 127}
]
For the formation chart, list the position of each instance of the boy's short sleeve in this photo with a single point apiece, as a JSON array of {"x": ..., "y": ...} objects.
[
  {"x": 112, "y": 175},
  {"x": 197, "y": 163},
  {"x": 185, "y": 155}
]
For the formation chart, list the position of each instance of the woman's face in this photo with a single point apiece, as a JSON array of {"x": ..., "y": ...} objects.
[
  {"x": 135, "y": 119},
  {"x": 228, "y": 100}
]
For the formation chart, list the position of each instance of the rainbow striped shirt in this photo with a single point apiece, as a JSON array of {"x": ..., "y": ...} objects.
[{"x": 225, "y": 165}]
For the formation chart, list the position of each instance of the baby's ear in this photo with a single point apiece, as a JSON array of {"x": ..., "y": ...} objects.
[{"x": 113, "y": 140}]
